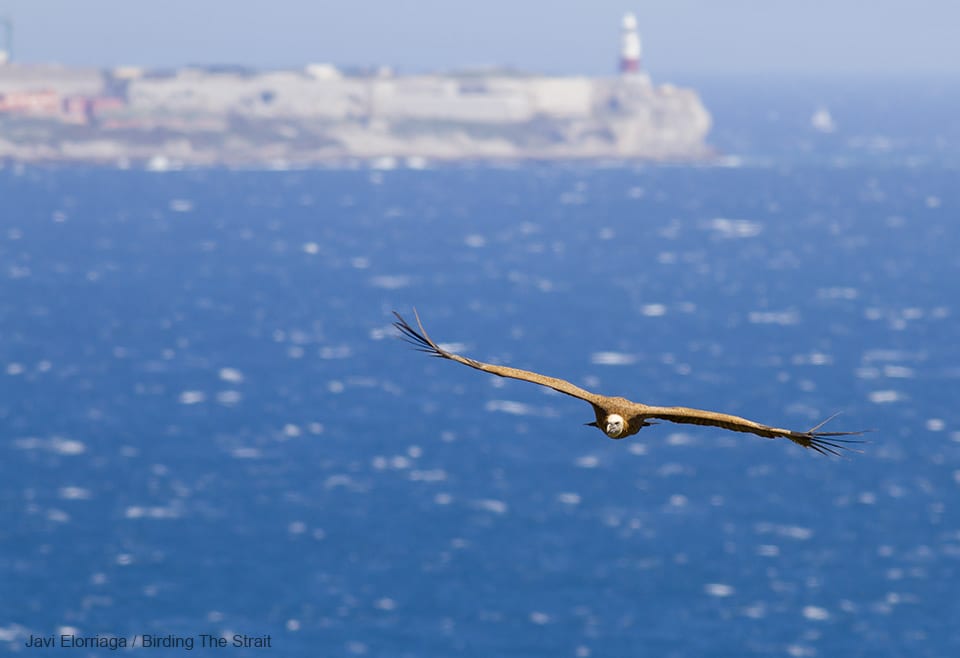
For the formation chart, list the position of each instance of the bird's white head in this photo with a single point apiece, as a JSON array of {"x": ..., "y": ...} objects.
[{"x": 615, "y": 426}]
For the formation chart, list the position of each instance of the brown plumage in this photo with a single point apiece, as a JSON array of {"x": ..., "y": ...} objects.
[{"x": 619, "y": 417}]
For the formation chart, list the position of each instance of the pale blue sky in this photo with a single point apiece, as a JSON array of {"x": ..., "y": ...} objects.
[{"x": 863, "y": 37}]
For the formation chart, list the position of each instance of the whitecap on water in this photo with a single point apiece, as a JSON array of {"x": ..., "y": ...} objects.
[
  {"x": 157, "y": 512},
  {"x": 510, "y": 407},
  {"x": 653, "y": 310},
  {"x": 340, "y": 480},
  {"x": 232, "y": 375},
  {"x": 822, "y": 121},
  {"x": 680, "y": 439},
  {"x": 335, "y": 352},
  {"x": 296, "y": 527},
  {"x": 57, "y": 515},
  {"x": 813, "y": 359},
  {"x": 790, "y": 531},
  {"x": 539, "y": 618},
  {"x": 491, "y": 505},
  {"x": 678, "y": 500},
  {"x": 67, "y": 446},
  {"x": 935, "y": 424},
  {"x": 815, "y": 613},
  {"x": 428, "y": 475},
  {"x": 612, "y": 359},
  {"x": 74, "y": 493},
  {"x": 783, "y": 318},
  {"x": 379, "y": 333},
  {"x": 229, "y": 398},
  {"x": 897, "y": 372},
  {"x": 672, "y": 468},
  {"x": 734, "y": 228},
  {"x": 719, "y": 589},
  {"x": 890, "y": 355},
  {"x": 867, "y": 373},
  {"x": 884, "y": 397},
  {"x": 390, "y": 281},
  {"x": 12, "y": 632},
  {"x": 838, "y": 293},
  {"x": 383, "y": 163},
  {"x": 192, "y": 397}
]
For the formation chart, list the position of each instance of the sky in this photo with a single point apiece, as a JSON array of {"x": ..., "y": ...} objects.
[{"x": 730, "y": 37}]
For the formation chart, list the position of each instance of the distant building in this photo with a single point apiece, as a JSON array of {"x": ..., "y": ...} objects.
[
  {"x": 66, "y": 81},
  {"x": 31, "y": 103}
]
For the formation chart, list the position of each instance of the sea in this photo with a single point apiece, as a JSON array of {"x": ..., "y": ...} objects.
[{"x": 215, "y": 444}]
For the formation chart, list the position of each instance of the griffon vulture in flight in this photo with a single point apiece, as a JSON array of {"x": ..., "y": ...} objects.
[{"x": 619, "y": 417}]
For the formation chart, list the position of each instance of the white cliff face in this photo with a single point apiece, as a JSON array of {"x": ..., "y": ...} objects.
[
  {"x": 451, "y": 117},
  {"x": 300, "y": 116},
  {"x": 662, "y": 122}
]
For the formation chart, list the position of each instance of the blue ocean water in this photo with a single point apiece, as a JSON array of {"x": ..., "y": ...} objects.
[{"x": 210, "y": 428}]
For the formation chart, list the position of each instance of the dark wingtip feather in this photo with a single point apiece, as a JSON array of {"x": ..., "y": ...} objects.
[
  {"x": 823, "y": 451},
  {"x": 828, "y": 441},
  {"x": 419, "y": 340}
]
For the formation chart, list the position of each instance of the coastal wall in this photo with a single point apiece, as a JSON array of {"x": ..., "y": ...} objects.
[
  {"x": 237, "y": 117},
  {"x": 64, "y": 80}
]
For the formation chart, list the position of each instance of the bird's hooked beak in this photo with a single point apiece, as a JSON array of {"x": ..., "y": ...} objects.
[{"x": 614, "y": 427}]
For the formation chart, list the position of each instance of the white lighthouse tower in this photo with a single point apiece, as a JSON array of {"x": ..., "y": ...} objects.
[
  {"x": 630, "y": 48},
  {"x": 6, "y": 46}
]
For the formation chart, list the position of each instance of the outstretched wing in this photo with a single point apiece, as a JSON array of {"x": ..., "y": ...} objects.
[
  {"x": 822, "y": 442},
  {"x": 419, "y": 339}
]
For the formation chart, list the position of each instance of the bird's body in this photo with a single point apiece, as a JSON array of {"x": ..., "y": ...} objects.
[{"x": 619, "y": 417}]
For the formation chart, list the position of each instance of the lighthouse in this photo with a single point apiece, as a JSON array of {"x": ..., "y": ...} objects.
[
  {"x": 6, "y": 48},
  {"x": 629, "y": 45}
]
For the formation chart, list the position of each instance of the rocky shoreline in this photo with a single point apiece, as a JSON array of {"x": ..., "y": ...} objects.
[{"x": 195, "y": 117}]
